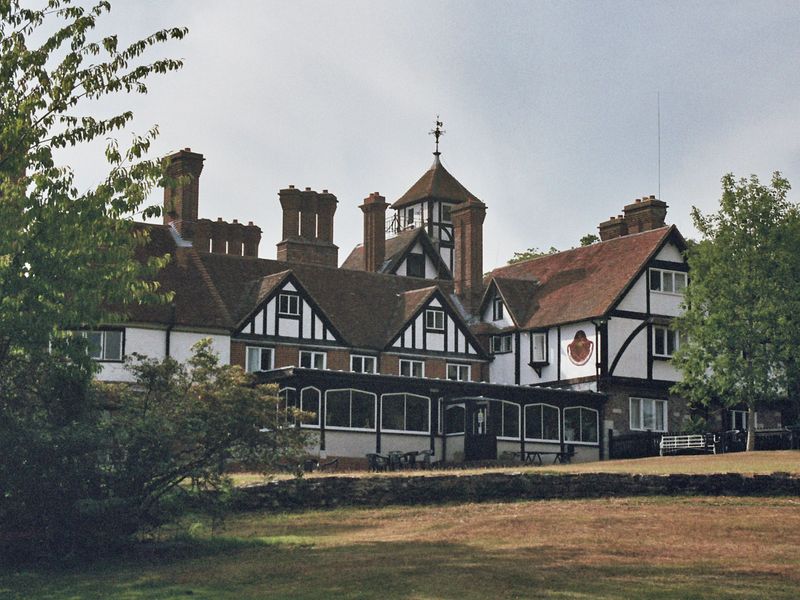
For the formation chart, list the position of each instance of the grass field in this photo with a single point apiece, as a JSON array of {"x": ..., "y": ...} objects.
[
  {"x": 677, "y": 547},
  {"x": 786, "y": 461}
]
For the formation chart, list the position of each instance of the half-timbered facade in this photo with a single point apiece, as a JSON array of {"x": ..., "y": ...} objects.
[{"x": 407, "y": 345}]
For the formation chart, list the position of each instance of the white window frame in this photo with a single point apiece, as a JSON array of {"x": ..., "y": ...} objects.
[
  {"x": 405, "y": 414},
  {"x": 261, "y": 349},
  {"x": 351, "y": 390},
  {"x": 103, "y": 347},
  {"x": 313, "y": 354},
  {"x": 283, "y": 390},
  {"x": 498, "y": 309},
  {"x": 459, "y": 369},
  {"x": 434, "y": 319},
  {"x": 502, "y": 344},
  {"x": 558, "y": 421},
  {"x": 540, "y": 335},
  {"x": 580, "y": 429},
  {"x": 319, "y": 406},
  {"x": 656, "y": 403},
  {"x": 743, "y": 417},
  {"x": 364, "y": 359},
  {"x": 410, "y": 363},
  {"x": 503, "y": 419},
  {"x": 666, "y": 333},
  {"x": 289, "y": 310},
  {"x": 667, "y": 279}
]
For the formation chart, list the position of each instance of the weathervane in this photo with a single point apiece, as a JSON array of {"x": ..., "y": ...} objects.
[{"x": 437, "y": 133}]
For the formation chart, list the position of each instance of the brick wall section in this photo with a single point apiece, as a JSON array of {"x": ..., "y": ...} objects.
[
  {"x": 286, "y": 356},
  {"x": 338, "y": 360},
  {"x": 329, "y": 492},
  {"x": 238, "y": 354},
  {"x": 617, "y": 411},
  {"x": 390, "y": 364}
]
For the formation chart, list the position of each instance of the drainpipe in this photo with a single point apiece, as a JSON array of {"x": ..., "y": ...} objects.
[{"x": 170, "y": 326}]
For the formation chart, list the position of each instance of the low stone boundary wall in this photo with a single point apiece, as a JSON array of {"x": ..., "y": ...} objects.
[{"x": 328, "y": 492}]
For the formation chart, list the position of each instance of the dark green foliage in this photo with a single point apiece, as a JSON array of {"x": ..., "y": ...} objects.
[
  {"x": 530, "y": 253},
  {"x": 88, "y": 466},
  {"x": 742, "y": 307},
  {"x": 85, "y": 468}
]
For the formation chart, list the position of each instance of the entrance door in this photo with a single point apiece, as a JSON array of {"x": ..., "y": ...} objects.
[{"x": 478, "y": 443}]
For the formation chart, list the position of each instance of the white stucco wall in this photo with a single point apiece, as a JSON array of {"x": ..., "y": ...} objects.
[
  {"x": 633, "y": 362},
  {"x": 182, "y": 341},
  {"x": 149, "y": 342},
  {"x": 636, "y": 298}
]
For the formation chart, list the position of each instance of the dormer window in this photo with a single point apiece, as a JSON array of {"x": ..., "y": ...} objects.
[
  {"x": 415, "y": 265},
  {"x": 497, "y": 308},
  {"x": 289, "y": 304},
  {"x": 434, "y": 320}
]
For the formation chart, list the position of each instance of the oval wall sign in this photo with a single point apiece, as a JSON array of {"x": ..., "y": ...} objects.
[{"x": 579, "y": 350}]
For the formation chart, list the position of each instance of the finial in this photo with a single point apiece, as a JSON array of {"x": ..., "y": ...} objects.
[{"x": 437, "y": 133}]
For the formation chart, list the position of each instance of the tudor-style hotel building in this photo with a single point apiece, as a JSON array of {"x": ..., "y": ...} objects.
[{"x": 408, "y": 345}]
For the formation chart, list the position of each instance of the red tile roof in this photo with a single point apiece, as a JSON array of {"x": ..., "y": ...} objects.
[{"x": 577, "y": 284}]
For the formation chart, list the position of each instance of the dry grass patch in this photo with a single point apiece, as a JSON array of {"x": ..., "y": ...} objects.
[{"x": 615, "y": 548}]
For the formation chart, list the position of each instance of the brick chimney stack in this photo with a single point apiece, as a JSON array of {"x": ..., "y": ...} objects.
[
  {"x": 326, "y": 208},
  {"x": 252, "y": 238},
  {"x": 181, "y": 195},
  {"x": 468, "y": 260},
  {"x": 645, "y": 214},
  {"x": 613, "y": 228},
  {"x": 374, "y": 209},
  {"x": 308, "y": 227}
]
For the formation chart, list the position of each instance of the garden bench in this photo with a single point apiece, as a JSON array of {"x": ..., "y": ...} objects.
[{"x": 706, "y": 442}]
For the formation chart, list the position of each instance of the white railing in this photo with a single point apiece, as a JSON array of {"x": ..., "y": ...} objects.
[{"x": 399, "y": 222}]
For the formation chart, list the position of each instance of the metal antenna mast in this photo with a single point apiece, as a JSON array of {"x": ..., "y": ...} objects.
[{"x": 658, "y": 96}]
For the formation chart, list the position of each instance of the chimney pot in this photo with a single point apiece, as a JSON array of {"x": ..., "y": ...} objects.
[
  {"x": 235, "y": 220},
  {"x": 638, "y": 200},
  {"x": 291, "y": 187}
]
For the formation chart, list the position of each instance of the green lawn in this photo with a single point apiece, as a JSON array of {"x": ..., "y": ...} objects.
[{"x": 609, "y": 548}]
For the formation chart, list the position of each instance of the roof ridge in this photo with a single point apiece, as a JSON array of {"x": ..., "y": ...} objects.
[{"x": 580, "y": 248}]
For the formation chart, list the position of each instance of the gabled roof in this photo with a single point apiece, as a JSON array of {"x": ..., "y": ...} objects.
[
  {"x": 437, "y": 183},
  {"x": 578, "y": 284},
  {"x": 516, "y": 295},
  {"x": 367, "y": 309},
  {"x": 396, "y": 250}
]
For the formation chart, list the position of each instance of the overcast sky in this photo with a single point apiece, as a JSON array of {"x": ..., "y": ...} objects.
[{"x": 550, "y": 108}]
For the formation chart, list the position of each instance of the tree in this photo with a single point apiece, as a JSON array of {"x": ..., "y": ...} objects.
[
  {"x": 126, "y": 457},
  {"x": 589, "y": 239},
  {"x": 531, "y": 253},
  {"x": 740, "y": 322},
  {"x": 67, "y": 256}
]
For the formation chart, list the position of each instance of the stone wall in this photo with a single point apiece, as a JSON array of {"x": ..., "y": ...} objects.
[{"x": 328, "y": 492}]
